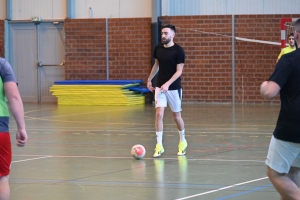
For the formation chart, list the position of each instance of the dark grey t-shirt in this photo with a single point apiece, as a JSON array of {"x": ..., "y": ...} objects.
[{"x": 6, "y": 75}]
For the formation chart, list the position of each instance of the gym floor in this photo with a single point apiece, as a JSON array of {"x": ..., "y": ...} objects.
[{"x": 83, "y": 153}]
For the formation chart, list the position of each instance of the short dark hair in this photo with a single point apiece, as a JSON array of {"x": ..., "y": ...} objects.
[
  {"x": 170, "y": 26},
  {"x": 291, "y": 34}
]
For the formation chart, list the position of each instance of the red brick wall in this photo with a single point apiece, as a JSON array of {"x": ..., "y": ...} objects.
[
  {"x": 207, "y": 75},
  {"x": 2, "y": 38},
  {"x": 85, "y": 50},
  {"x": 129, "y": 49},
  {"x": 254, "y": 61}
]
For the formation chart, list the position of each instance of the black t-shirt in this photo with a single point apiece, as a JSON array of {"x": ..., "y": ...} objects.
[
  {"x": 287, "y": 76},
  {"x": 168, "y": 58}
]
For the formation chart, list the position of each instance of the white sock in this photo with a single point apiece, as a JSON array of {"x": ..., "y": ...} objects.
[
  {"x": 182, "y": 135},
  {"x": 159, "y": 137}
]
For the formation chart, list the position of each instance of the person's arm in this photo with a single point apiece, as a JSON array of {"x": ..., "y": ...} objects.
[
  {"x": 279, "y": 56},
  {"x": 16, "y": 107},
  {"x": 154, "y": 71},
  {"x": 269, "y": 89},
  {"x": 179, "y": 68}
]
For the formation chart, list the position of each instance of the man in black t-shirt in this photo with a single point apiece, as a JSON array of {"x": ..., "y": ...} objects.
[
  {"x": 283, "y": 158},
  {"x": 169, "y": 62}
]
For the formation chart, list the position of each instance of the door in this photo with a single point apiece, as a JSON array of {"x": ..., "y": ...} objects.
[{"x": 37, "y": 58}]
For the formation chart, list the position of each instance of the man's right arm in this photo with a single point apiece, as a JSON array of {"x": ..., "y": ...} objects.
[
  {"x": 16, "y": 107},
  {"x": 269, "y": 89},
  {"x": 154, "y": 71}
]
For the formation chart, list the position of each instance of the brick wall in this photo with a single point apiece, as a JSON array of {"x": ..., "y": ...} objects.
[
  {"x": 129, "y": 49},
  {"x": 254, "y": 62},
  {"x": 207, "y": 75},
  {"x": 85, "y": 50},
  {"x": 2, "y": 38}
]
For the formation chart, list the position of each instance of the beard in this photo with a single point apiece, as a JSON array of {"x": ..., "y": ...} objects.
[{"x": 165, "y": 41}]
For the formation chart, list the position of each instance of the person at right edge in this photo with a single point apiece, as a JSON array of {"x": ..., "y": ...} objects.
[
  {"x": 283, "y": 159},
  {"x": 169, "y": 62},
  {"x": 292, "y": 46},
  {"x": 9, "y": 93}
]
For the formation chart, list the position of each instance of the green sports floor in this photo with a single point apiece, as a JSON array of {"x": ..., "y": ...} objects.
[{"x": 83, "y": 153}]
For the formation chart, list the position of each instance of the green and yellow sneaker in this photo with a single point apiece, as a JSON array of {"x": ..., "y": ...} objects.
[
  {"x": 159, "y": 149},
  {"x": 182, "y": 148}
]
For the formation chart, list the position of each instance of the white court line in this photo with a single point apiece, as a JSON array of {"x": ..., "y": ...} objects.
[
  {"x": 126, "y": 157},
  {"x": 223, "y": 188},
  {"x": 31, "y": 159}
]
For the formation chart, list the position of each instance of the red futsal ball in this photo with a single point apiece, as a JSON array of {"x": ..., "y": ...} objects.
[{"x": 138, "y": 151}]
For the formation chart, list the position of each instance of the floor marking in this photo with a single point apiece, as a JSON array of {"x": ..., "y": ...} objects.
[
  {"x": 162, "y": 159},
  {"x": 245, "y": 192},
  {"x": 31, "y": 159},
  {"x": 53, "y": 120},
  {"x": 223, "y": 188},
  {"x": 253, "y": 136}
]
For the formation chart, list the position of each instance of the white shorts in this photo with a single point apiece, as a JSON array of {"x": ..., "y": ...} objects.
[
  {"x": 171, "y": 97},
  {"x": 282, "y": 155}
]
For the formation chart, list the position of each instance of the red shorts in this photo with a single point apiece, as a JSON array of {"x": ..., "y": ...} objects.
[{"x": 5, "y": 154}]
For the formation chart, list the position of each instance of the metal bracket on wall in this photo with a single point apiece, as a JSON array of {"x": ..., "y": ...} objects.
[{"x": 40, "y": 64}]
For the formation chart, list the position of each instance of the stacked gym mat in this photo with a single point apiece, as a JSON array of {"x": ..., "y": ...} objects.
[{"x": 97, "y": 92}]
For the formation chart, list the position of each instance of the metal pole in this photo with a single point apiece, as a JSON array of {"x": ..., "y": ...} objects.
[
  {"x": 233, "y": 63},
  {"x": 107, "y": 56},
  {"x": 155, "y": 25},
  {"x": 70, "y": 9},
  {"x": 8, "y": 9}
]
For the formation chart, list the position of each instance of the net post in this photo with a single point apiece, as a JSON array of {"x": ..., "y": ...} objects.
[{"x": 283, "y": 21}]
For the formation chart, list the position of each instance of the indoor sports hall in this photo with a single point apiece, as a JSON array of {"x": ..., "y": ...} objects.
[{"x": 82, "y": 68}]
